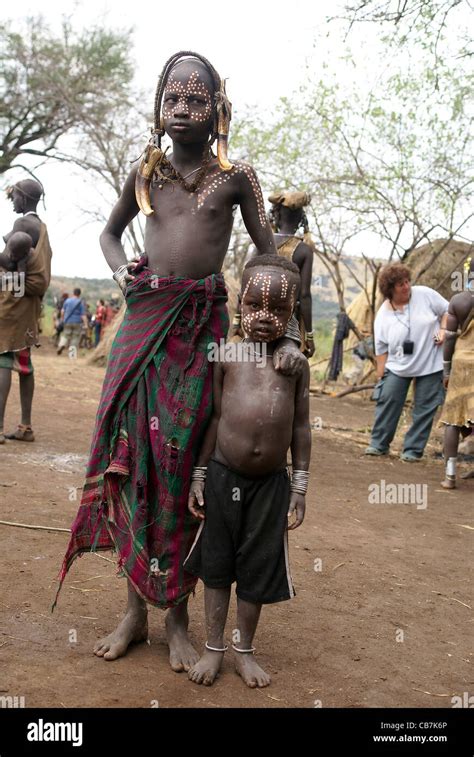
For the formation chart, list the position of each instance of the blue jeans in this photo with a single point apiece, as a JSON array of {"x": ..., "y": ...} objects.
[{"x": 428, "y": 395}]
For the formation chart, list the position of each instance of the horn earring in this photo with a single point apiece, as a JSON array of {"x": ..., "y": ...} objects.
[
  {"x": 224, "y": 115},
  {"x": 151, "y": 157}
]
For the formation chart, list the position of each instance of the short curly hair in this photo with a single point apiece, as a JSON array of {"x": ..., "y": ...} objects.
[
  {"x": 392, "y": 274},
  {"x": 276, "y": 261}
]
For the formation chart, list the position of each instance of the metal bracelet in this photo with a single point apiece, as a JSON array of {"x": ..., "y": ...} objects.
[
  {"x": 199, "y": 473},
  {"x": 299, "y": 481},
  {"x": 243, "y": 651},
  {"x": 215, "y": 649},
  {"x": 119, "y": 276}
]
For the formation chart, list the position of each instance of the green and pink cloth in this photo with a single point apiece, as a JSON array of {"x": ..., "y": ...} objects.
[{"x": 156, "y": 402}]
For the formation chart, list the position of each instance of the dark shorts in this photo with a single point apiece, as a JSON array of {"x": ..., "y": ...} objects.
[{"x": 244, "y": 536}]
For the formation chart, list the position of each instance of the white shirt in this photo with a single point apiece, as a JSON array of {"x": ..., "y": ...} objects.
[{"x": 417, "y": 322}]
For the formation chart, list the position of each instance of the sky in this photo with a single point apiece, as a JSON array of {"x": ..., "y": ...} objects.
[{"x": 263, "y": 48}]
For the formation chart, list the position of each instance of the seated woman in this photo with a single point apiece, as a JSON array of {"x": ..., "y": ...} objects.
[{"x": 409, "y": 330}]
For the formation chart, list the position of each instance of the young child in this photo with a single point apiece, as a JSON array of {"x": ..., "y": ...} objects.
[
  {"x": 17, "y": 252},
  {"x": 240, "y": 487},
  {"x": 157, "y": 394}
]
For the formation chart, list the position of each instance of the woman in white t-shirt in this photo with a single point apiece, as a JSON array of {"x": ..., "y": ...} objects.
[{"x": 409, "y": 330}]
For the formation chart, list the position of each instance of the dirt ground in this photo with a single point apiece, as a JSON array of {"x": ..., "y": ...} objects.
[{"x": 382, "y": 616}]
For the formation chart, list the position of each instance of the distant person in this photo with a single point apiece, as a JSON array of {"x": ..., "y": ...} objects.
[
  {"x": 286, "y": 217},
  {"x": 458, "y": 368},
  {"x": 19, "y": 315},
  {"x": 100, "y": 316},
  {"x": 73, "y": 316},
  {"x": 87, "y": 330},
  {"x": 57, "y": 320},
  {"x": 409, "y": 330}
]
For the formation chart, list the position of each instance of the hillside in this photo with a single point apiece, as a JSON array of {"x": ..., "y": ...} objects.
[{"x": 323, "y": 292}]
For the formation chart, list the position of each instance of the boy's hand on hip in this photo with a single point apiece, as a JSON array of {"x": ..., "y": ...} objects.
[
  {"x": 196, "y": 499},
  {"x": 288, "y": 359},
  {"x": 297, "y": 506}
]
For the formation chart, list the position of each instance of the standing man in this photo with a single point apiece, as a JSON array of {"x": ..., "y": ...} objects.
[
  {"x": 73, "y": 317},
  {"x": 19, "y": 315}
]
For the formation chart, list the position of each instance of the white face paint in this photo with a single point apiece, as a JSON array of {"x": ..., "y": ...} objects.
[
  {"x": 191, "y": 97},
  {"x": 266, "y": 305}
]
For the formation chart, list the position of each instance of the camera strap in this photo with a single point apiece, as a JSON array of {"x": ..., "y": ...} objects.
[{"x": 399, "y": 319}]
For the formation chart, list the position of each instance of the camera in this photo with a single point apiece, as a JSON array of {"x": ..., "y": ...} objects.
[{"x": 408, "y": 347}]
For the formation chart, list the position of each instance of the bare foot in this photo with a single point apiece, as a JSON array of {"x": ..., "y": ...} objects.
[
  {"x": 207, "y": 668},
  {"x": 132, "y": 628},
  {"x": 182, "y": 653},
  {"x": 448, "y": 483},
  {"x": 251, "y": 673}
]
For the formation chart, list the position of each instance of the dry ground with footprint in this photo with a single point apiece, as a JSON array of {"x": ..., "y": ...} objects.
[{"x": 383, "y": 613}]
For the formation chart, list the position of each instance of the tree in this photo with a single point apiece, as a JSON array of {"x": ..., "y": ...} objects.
[
  {"x": 105, "y": 151},
  {"x": 420, "y": 22},
  {"x": 389, "y": 169},
  {"x": 51, "y": 85}
]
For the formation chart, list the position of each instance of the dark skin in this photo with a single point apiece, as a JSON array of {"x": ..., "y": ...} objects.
[
  {"x": 30, "y": 225},
  {"x": 251, "y": 432},
  {"x": 459, "y": 309},
  {"x": 303, "y": 257},
  {"x": 187, "y": 235},
  {"x": 290, "y": 221},
  {"x": 17, "y": 253}
]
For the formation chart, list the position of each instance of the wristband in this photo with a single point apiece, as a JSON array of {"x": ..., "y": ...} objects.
[
  {"x": 299, "y": 481},
  {"x": 199, "y": 473},
  {"x": 119, "y": 276}
]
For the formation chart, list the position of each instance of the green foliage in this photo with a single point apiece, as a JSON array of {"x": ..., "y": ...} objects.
[
  {"x": 395, "y": 163},
  {"x": 53, "y": 84}
]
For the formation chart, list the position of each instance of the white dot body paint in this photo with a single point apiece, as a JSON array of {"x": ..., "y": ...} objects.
[
  {"x": 214, "y": 182},
  {"x": 192, "y": 87},
  {"x": 195, "y": 87},
  {"x": 263, "y": 282}
]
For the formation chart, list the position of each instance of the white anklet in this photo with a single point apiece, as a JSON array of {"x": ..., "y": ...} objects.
[
  {"x": 214, "y": 649},
  {"x": 243, "y": 651}
]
